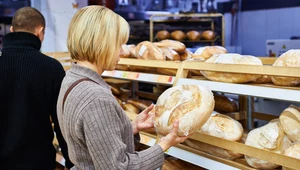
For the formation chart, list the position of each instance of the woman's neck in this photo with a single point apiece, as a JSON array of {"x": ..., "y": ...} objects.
[{"x": 90, "y": 66}]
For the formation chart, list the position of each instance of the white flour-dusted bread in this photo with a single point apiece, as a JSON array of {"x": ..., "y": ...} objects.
[
  {"x": 232, "y": 58},
  {"x": 208, "y": 51},
  {"x": 294, "y": 152},
  {"x": 190, "y": 104},
  {"x": 290, "y": 58},
  {"x": 149, "y": 51},
  {"x": 221, "y": 126},
  {"x": 290, "y": 121},
  {"x": 270, "y": 137}
]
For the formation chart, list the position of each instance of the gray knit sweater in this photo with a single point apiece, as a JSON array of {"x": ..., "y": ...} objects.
[{"x": 98, "y": 132}]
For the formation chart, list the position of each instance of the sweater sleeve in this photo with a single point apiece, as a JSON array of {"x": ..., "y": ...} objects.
[
  {"x": 60, "y": 73},
  {"x": 104, "y": 134}
]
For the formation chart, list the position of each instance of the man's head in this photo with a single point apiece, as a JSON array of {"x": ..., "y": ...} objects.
[{"x": 28, "y": 19}]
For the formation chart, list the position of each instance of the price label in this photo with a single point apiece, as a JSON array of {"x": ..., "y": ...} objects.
[
  {"x": 124, "y": 74},
  {"x": 164, "y": 79},
  {"x": 133, "y": 75}
]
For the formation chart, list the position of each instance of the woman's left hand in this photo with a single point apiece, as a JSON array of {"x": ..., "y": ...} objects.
[{"x": 143, "y": 121}]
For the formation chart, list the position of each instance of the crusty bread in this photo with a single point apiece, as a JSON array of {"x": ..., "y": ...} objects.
[
  {"x": 178, "y": 35},
  {"x": 290, "y": 58},
  {"x": 174, "y": 45},
  {"x": 290, "y": 121},
  {"x": 208, "y": 35},
  {"x": 231, "y": 58},
  {"x": 208, "y": 51},
  {"x": 224, "y": 104},
  {"x": 149, "y": 51},
  {"x": 270, "y": 137},
  {"x": 162, "y": 35},
  {"x": 170, "y": 54},
  {"x": 143, "y": 69},
  {"x": 115, "y": 90},
  {"x": 221, "y": 126},
  {"x": 294, "y": 152},
  {"x": 139, "y": 103},
  {"x": 186, "y": 55},
  {"x": 132, "y": 50},
  {"x": 262, "y": 80},
  {"x": 190, "y": 104},
  {"x": 193, "y": 35}
]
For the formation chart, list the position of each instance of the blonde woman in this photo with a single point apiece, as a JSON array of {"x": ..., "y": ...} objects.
[{"x": 98, "y": 132}]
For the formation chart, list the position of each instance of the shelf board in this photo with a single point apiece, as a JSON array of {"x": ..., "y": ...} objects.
[
  {"x": 150, "y": 63},
  {"x": 264, "y": 91},
  {"x": 143, "y": 77}
]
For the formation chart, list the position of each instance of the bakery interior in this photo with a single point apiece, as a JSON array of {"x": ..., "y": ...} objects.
[{"x": 256, "y": 119}]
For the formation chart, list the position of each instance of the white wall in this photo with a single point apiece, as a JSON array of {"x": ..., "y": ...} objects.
[{"x": 57, "y": 18}]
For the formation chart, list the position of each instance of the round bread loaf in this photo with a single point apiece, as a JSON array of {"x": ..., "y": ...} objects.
[
  {"x": 294, "y": 152},
  {"x": 270, "y": 137},
  {"x": 132, "y": 49},
  {"x": 221, "y": 126},
  {"x": 174, "y": 45},
  {"x": 208, "y": 35},
  {"x": 208, "y": 51},
  {"x": 178, "y": 35},
  {"x": 193, "y": 35},
  {"x": 290, "y": 58},
  {"x": 149, "y": 51},
  {"x": 162, "y": 35},
  {"x": 232, "y": 59},
  {"x": 130, "y": 108},
  {"x": 290, "y": 121},
  {"x": 263, "y": 79},
  {"x": 190, "y": 104}
]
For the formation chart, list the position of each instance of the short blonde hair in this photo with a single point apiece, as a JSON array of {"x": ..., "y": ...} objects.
[{"x": 96, "y": 35}]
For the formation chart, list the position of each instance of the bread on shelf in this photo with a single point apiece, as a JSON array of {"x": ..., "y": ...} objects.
[
  {"x": 208, "y": 51},
  {"x": 190, "y": 104}
]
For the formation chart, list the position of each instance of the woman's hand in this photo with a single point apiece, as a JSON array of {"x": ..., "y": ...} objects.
[
  {"x": 172, "y": 138},
  {"x": 143, "y": 121}
]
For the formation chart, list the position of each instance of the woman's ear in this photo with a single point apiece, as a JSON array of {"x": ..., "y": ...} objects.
[
  {"x": 11, "y": 29},
  {"x": 40, "y": 33}
]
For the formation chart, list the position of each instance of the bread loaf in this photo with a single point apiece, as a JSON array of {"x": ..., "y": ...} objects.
[
  {"x": 174, "y": 45},
  {"x": 196, "y": 73},
  {"x": 270, "y": 137},
  {"x": 162, "y": 35},
  {"x": 294, "y": 152},
  {"x": 140, "y": 104},
  {"x": 178, "y": 35},
  {"x": 232, "y": 59},
  {"x": 170, "y": 54},
  {"x": 132, "y": 50},
  {"x": 119, "y": 101},
  {"x": 224, "y": 104},
  {"x": 221, "y": 126},
  {"x": 208, "y": 51},
  {"x": 290, "y": 121},
  {"x": 290, "y": 58},
  {"x": 190, "y": 104},
  {"x": 115, "y": 90},
  {"x": 208, "y": 35},
  {"x": 130, "y": 108},
  {"x": 262, "y": 80},
  {"x": 147, "y": 50},
  {"x": 193, "y": 35}
]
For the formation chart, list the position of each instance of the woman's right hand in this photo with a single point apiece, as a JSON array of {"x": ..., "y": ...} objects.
[{"x": 172, "y": 138}]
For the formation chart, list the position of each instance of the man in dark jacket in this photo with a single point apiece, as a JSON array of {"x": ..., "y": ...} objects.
[{"x": 29, "y": 87}]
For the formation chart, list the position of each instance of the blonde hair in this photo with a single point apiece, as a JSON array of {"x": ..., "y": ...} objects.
[{"x": 96, "y": 35}]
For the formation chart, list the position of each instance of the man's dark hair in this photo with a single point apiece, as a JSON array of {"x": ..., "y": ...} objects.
[{"x": 27, "y": 19}]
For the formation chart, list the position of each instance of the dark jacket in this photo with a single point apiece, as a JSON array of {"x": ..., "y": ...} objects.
[{"x": 29, "y": 86}]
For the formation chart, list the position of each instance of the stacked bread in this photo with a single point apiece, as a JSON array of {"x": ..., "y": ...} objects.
[
  {"x": 294, "y": 152},
  {"x": 231, "y": 58},
  {"x": 221, "y": 126},
  {"x": 190, "y": 104},
  {"x": 224, "y": 104},
  {"x": 290, "y": 58},
  {"x": 270, "y": 137}
]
